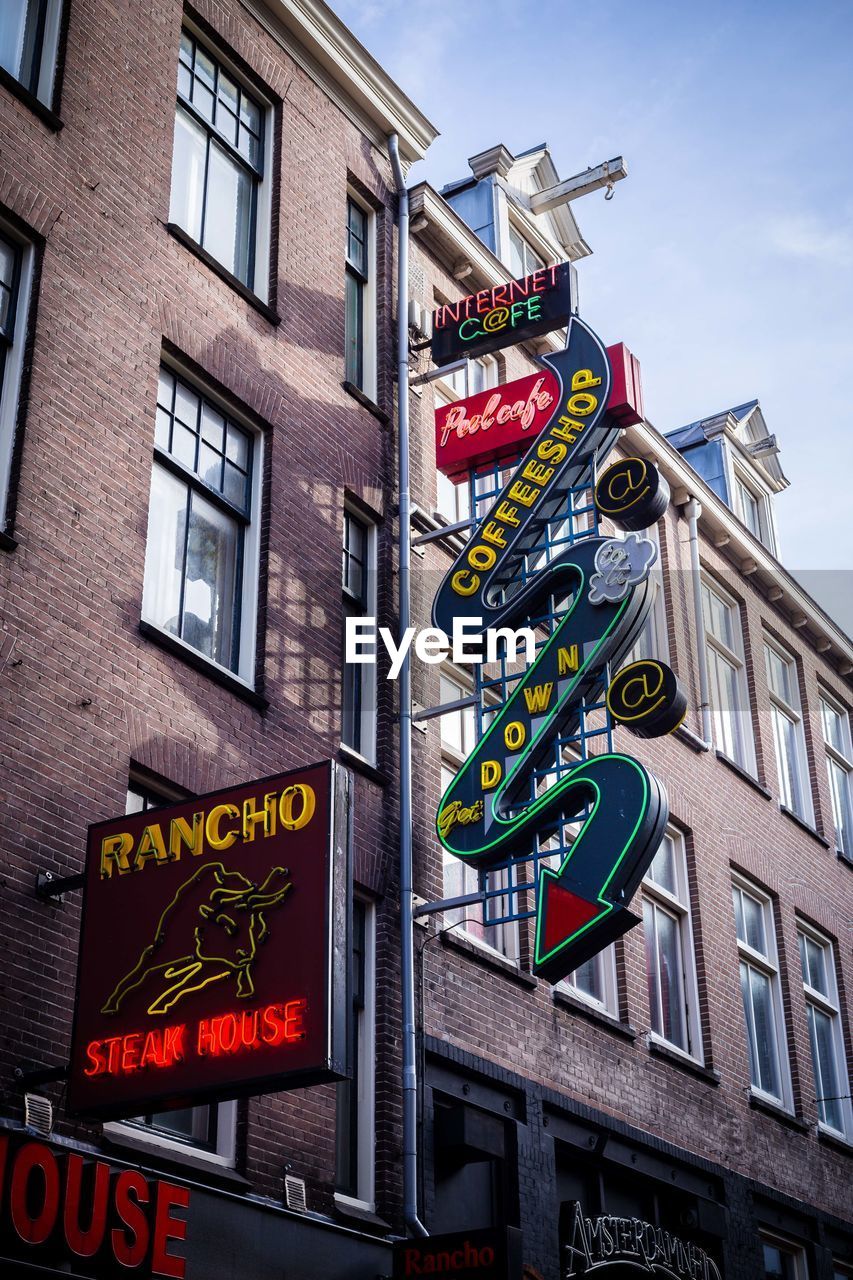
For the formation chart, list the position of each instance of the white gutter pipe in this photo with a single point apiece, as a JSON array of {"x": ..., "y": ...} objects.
[
  {"x": 692, "y": 511},
  {"x": 404, "y": 685}
]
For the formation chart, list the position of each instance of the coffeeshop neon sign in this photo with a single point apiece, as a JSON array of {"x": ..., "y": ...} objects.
[{"x": 488, "y": 814}]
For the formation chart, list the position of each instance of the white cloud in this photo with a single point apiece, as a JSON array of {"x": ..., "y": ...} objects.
[{"x": 804, "y": 235}]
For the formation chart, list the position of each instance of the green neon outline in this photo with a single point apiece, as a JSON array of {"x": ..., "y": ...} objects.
[{"x": 547, "y": 872}]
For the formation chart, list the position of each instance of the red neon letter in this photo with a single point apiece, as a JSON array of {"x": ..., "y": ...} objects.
[
  {"x": 293, "y": 1015},
  {"x": 85, "y": 1244},
  {"x": 167, "y": 1228},
  {"x": 34, "y": 1230},
  {"x": 131, "y": 1191}
]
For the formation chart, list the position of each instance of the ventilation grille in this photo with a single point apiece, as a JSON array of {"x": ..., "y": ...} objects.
[
  {"x": 38, "y": 1113},
  {"x": 294, "y": 1193}
]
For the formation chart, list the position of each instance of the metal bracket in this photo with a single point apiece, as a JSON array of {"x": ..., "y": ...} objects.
[
  {"x": 26, "y": 1078},
  {"x": 50, "y": 886},
  {"x": 446, "y": 904}
]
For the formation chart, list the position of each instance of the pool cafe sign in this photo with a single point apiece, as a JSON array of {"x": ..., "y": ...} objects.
[
  {"x": 491, "y": 812},
  {"x": 608, "y": 1245},
  {"x": 213, "y": 948}
]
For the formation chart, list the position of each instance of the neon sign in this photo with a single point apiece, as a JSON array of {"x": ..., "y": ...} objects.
[
  {"x": 507, "y": 313},
  {"x": 489, "y": 811},
  {"x": 206, "y": 960}
]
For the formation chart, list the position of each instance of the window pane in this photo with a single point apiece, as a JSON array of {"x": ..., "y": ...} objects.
[
  {"x": 164, "y": 556},
  {"x": 827, "y": 1076},
  {"x": 718, "y": 619},
  {"x": 187, "y": 198},
  {"x": 779, "y": 1264},
  {"x": 228, "y": 215},
  {"x": 662, "y": 869},
  {"x": 357, "y": 237},
  {"x": 842, "y": 805},
  {"x": 765, "y": 1033},
  {"x": 753, "y": 924},
  {"x": 726, "y": 706},
  {"x": 834, "y": 728},
  {"x": 589, "y": 979},
  {"x": 780, "y": 676},
  {"x": 785, "y": 738},
  {"x": 354, "y": 329},
  {"x": 211, "y": 579},
  {"x": 666, "y": 986},
  {"x": 18, "y": 39}
]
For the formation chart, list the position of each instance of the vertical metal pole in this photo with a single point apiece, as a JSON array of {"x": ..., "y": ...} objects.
[{"x": 407, "y": 943}]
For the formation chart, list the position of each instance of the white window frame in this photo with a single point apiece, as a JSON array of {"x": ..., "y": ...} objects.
[
  {"x": 767, "y": 964},
  {"x": 653, "y": 640},
  {"x": 248, "y": 603},
  {"x": 260, "y": 284},
  {"x": 605, "y": 966},
  {"x": 43, "y": 88},
  {"x": 801, "y": 802},
  {"x": 787, "y": 1246},
  {"x": 446, "y": 391},
  {"x": 843, "y": 762},
  {"x": 830, "y": 1005},
  {"x": 365, "y": 1048},
  {"x": 505, "y": 935},
  {"x": 744, "y": 753},
  {"x": 369, "y": 338},
  {"x": 367, "y": 670},
  {"x": 540, "y": 263},
  {"x": 10, "y": 395},
  {"x": 137, "y": 1133},
  {"x": 743, "y": 481},
  {"x": 677, "y": 907}
]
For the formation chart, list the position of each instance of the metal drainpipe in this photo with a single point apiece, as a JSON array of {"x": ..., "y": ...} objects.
[
  {"x": 407, "y": 946},
  {"x": 693, "y": 511}
]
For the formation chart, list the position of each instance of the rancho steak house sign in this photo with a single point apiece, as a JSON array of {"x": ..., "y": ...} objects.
[{"x": 207, "y": 966}]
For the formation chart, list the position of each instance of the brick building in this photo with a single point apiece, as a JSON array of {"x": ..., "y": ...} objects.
[
  {"x": 651, "y": 1084},
  {"x": 196, "y": 430}
]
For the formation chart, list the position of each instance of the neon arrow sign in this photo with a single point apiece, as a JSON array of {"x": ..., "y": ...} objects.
[{"x": 489, "y": 811}]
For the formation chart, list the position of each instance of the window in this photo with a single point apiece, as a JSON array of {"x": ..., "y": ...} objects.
[
  {"x": 670, "y": 959},
  {"x": 594, "y": 982},
  {"x": 762, "y": 997},
  {"x": 825, "y": 1034},
  {"x": 360, "y": 299},
  {"x": 839, "y": 765},
  {"x": 358, "y": 728},
  {"x": 355, "y": 1111},
  {"x": 783, "y": 1261},
  {"x": 788, "y": 737},
  {"x": 201, "y": 561},
  {"x": 727, "y": 677},
  {"x": 653, "y": 641},
  {"x": 219, "y": 196},
  {"x": 458, "y": 737},
  {"x": 454, "y": 500},
  {"x": 16, "y": 270},
  {"x": 522, "y": 260},
  {"x": 206, "y": 1128},
  {"x": 29, "y": 37}
]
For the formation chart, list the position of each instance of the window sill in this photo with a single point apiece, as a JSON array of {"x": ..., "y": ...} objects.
[
  {"x": 8, "y": 543},
  {"x": 224, "y": 274},
  {"x": 363, "y": 399},
  {"x": 846, "y": 858},
  {"x": 742, "y": 773},
  {"x": 491, "y": 959},
  {"x": 158, "y": 1154},
  {"x": 19, "y": 91},
  {"x": 353, "y": 760},
  {"x": 835, "y": 1141},
  {"x": 806, "y": 826},
  {"x": 683, "y": 1060},
  {"x": 359, "y": 1211},
  {"x": 197, "y": 660},
  {"x": 598, "y": 1016},
  {"x": 778, "y": 1112}
]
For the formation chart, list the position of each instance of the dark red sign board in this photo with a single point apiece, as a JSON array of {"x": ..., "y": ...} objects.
[
  {"x": 501, "y": 422},
  {"x": 493, "y": 1253},
  {"x": 213, "y": 948}
]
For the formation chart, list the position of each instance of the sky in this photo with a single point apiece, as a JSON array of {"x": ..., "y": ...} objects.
[{"x": 725, "y": 258}]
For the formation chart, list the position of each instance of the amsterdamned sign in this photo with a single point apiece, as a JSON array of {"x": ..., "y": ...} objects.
[
  {"x": 507, "y": 313},
  {"x": 213, "y": 947},
  {"x": 597, "y": 1244},
  {"x": 58, "y": 1205},
  {"x": 502, "y": 421},
  {"x": 493, "y": 1253}
]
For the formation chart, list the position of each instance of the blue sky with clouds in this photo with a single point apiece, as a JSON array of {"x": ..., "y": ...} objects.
[{"x": 725, "y": 259}]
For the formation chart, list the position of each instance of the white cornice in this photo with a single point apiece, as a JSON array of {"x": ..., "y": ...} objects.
[
  {"x": 328, "y": 51},
  {"x": 741, "y": 546}
]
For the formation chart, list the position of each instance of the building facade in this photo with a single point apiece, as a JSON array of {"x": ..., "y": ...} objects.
[
  {"x": 198, "y": 484},
  {"x": 691, "y": 1078}
]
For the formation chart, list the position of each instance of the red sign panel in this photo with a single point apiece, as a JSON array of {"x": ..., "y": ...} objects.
[
  {"x": 501, "y": 422},
  {"x": 207, "y": 967}
]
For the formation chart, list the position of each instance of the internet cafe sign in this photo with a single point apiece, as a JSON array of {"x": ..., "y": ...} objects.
[
  {"x": 601, "y": 1244},
  {"x": 212, "y": 951}
]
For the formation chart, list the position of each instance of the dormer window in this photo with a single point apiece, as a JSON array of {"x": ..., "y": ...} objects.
[
  {"x": 522, "y": 260},
  {"x": 752, "y": 508}
]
